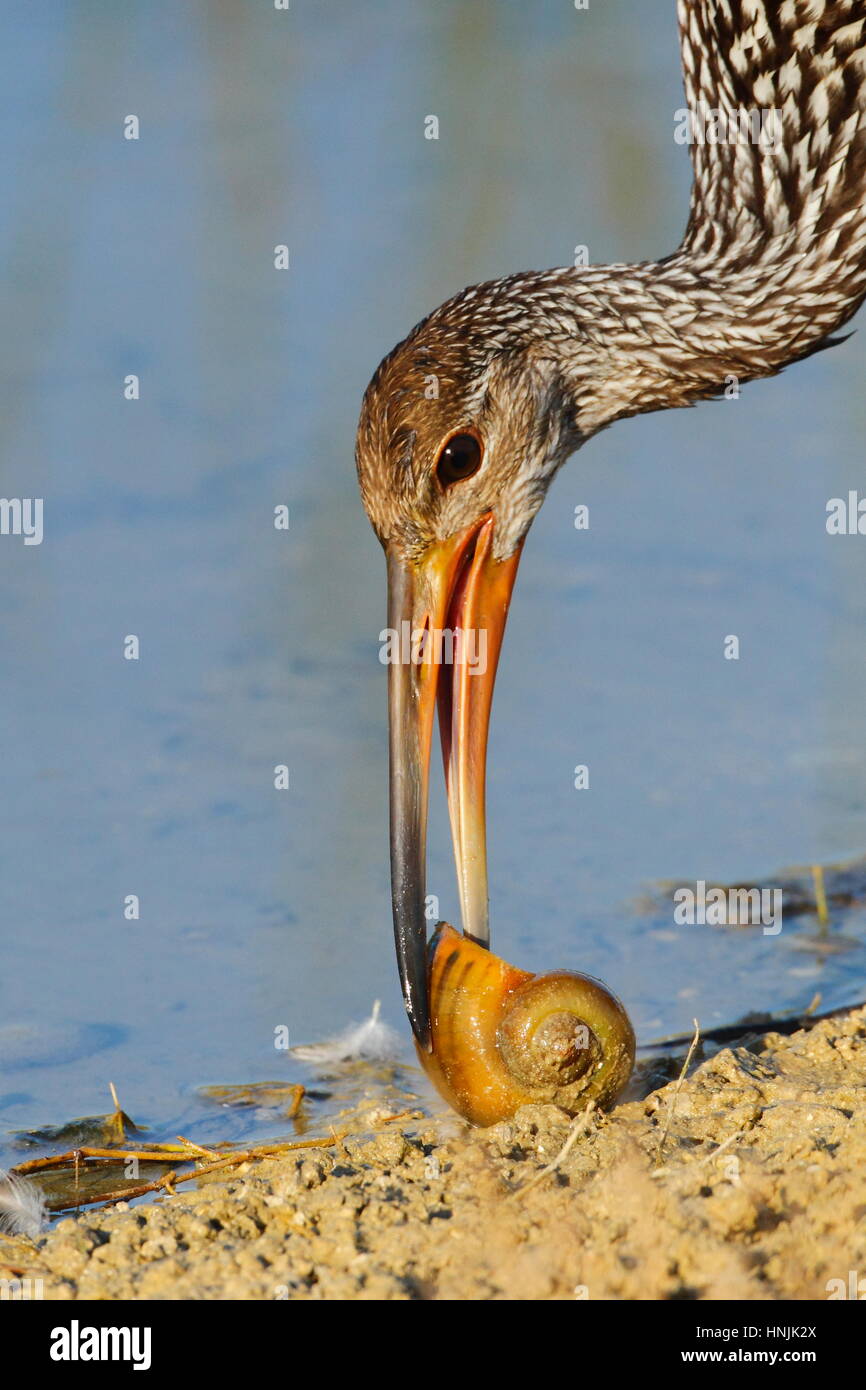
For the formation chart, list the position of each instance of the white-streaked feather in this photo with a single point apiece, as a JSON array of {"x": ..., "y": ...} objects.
[
  {"x": 22, "y": 1207},
  {"x": 370, "y": 1041}
]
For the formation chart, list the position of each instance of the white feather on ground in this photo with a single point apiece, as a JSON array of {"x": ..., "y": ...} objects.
[
  {"x": 370, "y": 1041},
  {"x": 22, "y": 1207}
]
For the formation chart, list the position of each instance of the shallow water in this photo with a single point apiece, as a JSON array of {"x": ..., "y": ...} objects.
[{"x": 262, "y": 909}]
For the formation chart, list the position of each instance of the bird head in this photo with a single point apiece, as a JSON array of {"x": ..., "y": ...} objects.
[{"x": 462, "y": 428}]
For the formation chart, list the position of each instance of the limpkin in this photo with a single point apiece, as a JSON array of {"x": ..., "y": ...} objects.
[{"x": 465, "y": 423}]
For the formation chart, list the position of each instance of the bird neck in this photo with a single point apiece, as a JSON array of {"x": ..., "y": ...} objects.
[
  {"x": 773, "y": 260},
  {"x": 662, "y": 334}
]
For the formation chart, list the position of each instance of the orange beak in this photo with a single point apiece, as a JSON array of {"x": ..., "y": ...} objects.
[{"x": 446, "y": 619}]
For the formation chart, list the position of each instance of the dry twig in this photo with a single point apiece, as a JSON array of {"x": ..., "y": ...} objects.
[
  {"x": 579, "y": 1126},
  {"x": 672, "y": 1108}
]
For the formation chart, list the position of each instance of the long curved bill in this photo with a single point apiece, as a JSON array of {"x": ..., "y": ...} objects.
[{"x": 446, "y": 619}]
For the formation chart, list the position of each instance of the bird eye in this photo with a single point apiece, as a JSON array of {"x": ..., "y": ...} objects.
[{"x": 460, "y": 458}]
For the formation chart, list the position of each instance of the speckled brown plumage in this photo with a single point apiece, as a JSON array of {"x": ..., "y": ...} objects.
[{"x": 773, "y": 261}]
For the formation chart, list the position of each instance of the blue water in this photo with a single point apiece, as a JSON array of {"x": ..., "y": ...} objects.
[{"x": 258, "y": 647}]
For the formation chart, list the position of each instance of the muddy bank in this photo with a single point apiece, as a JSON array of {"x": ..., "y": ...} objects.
[{"x": 747, "y": 1182}]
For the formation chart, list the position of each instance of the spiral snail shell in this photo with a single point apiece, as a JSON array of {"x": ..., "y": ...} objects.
[{"x": 503, "y": 1037}]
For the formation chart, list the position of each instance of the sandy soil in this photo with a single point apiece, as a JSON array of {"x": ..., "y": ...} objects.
[{"x": 748, "y": 1182}]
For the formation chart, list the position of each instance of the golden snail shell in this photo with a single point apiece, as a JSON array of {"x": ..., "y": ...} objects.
[{"x": 503, "y": 1038}]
